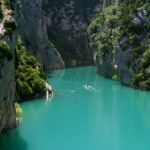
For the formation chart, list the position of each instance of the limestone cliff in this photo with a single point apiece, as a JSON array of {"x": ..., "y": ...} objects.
[
  {"x": 66, "y": 23},
  {"x": 7, "y": 73},
  {"x": 120, "y": 39},
  {"x": 7, "y": 92},
  {"x": 31, "y": 27}
]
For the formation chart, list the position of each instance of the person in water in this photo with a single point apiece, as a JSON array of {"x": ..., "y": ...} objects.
[{"x": 86, "y": 85}]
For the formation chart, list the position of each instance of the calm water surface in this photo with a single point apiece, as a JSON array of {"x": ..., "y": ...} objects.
[{"x": 104, "y": 116}]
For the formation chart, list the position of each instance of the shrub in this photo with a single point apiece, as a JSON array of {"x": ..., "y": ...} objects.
[
  {"x": 10, "y": 24},
  {"x": 115, "y": 77},
  {"x": 19, "y": 110},
  {"x": 112, "y": 25},
  {"x": 145, "y": 85},
  {"x": 8, "y": 31},
  {"x": 139, "y": 77},
  {"x": 6, "y": 3},
  {"x": 146, "y": 59},
  {"x": 5, "y": 50},
  {"x": 30, "y": 81}
]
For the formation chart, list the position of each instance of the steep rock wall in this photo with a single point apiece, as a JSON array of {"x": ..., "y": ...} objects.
[
  {"x": 7, "y": 92},
  {"x": 66, "y": 22},
  {"x": 31, "y": 26},
  {"x": 7, "y": 79},
  {"x": 120, "y": 38}
]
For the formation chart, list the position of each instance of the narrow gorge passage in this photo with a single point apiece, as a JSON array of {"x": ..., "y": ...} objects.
[{"x": 109, "y": 117}]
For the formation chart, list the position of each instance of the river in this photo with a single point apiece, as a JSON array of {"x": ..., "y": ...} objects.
[{"x": 103, "y": 116}]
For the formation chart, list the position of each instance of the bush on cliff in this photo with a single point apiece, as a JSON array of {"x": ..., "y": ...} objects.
[
  {"x": 6, "y": 4},
  {"x": 142, "y": 77},
  {"x": 30, "y": 80},
  {"x": 125, "y": 27},
  {"x": 10, "y": 26},
  {"x": 19, "y": 110},
  {"x": 5, "y": 50},
  {"x": 115, "y": 77}
]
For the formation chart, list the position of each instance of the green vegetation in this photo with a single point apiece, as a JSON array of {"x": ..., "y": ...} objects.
[
  {"x": 19, "y": 110},
  {"x": 6, "y": 4},
  {"x": 119, "y": 26},
  {"x": 5, "y": 50},
  {"x": 115, "y": 77},
  {"x": 30, "y": 80},
  {"x": 10, "y": 26},
  {"x": 142, "y": 77}
]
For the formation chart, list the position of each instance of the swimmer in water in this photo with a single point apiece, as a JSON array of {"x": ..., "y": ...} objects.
[{"x": 86, "y": 85}]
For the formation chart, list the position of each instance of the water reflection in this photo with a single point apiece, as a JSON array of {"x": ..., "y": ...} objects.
[
  {"x": 58, "y": 73},
  {"x": 111, "y": 117},
  {"x": 12, "y": 140},
  {"x": 125, "y": 118}
]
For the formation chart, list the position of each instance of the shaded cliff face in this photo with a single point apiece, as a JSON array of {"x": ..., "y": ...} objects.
[
  {"x": 31, "y": 26},
  {"x": 7, "y": 92},
  {"x": 120, "y": 38},
  {"x": 7, "y": 76},
  {"x": 66, "y": 22}
]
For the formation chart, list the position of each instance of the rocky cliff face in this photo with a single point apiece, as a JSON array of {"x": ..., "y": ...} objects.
[
  {"x": 7, "y": 76},
  {"x": 66, "y": 23},
  {"x": 7, "y": 92},
  {"x": 31, "y": 26},
  {"x": 120, "y": 38}
]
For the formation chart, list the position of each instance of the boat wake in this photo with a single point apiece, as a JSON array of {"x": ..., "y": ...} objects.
[{"x": 91, "y": 89}]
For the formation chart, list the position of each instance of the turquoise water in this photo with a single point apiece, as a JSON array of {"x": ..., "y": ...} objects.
[{"x": 104, "y": 116}]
